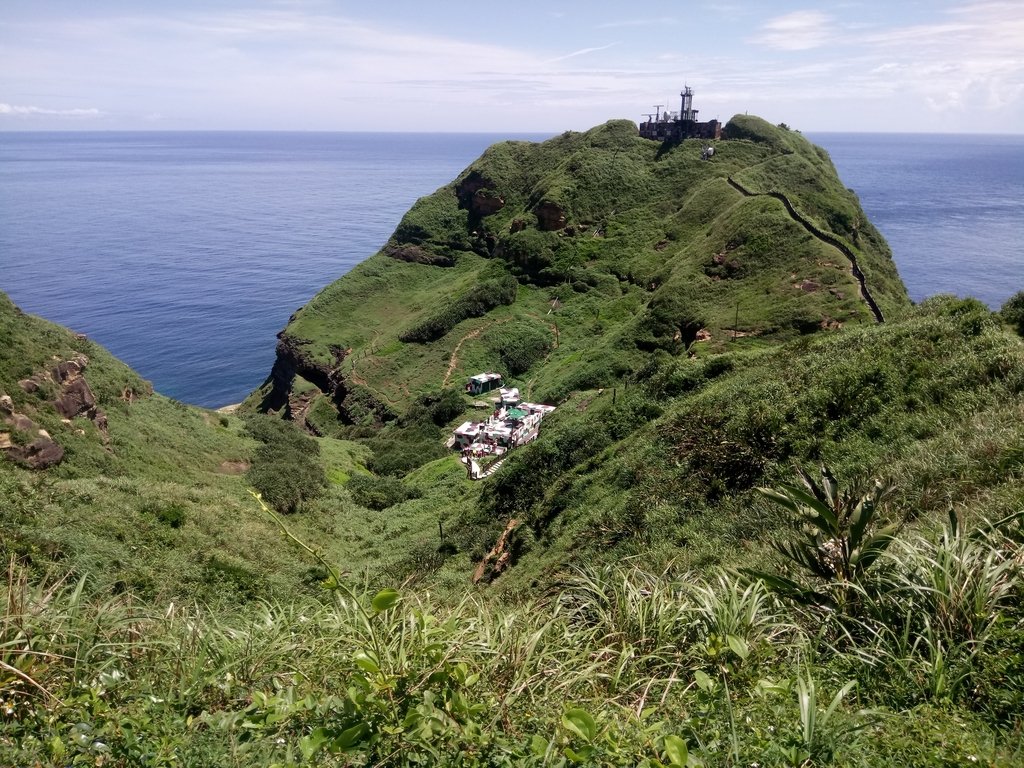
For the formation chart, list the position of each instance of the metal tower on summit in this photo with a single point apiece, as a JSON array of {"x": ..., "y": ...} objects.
[
  {"x": 676, "y": 126},
  {"x": 686, "y": 112}
]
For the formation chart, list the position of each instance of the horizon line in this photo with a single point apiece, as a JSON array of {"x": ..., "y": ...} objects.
[{"x": 549, "y": 132}]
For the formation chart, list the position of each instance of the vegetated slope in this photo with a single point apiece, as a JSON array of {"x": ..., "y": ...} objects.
[
  {"x": 617, "y": 246},
  {"x": 667, "y": 469},
  {"x": 621, "y": 665},
  {"x": 144, "y": 492},
  {"x": 632, "y": 263},
  {"x": 671, "y": 658}
]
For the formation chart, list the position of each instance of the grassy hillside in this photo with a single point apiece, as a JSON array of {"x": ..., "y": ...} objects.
[
  {"x": 648, "y": 583},
  {"x": 155, "y": 502},
  {"x": 702, "y": 328},
  {"x": 618, "y": 246},
  {"x": 622, "y": 667}
]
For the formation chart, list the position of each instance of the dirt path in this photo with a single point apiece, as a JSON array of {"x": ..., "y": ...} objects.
[
  {"x": 824, "y": 237},
  {"x": 453, "y": 361},
  {"x": 554, "y": 332}
]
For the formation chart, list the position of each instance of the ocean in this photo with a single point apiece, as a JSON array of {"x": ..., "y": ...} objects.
[
  {"x": 950, "y": 206},
  {"x": 185, "y": 253}
]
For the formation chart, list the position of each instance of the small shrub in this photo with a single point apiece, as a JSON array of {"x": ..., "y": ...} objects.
[
  {"x": 668, "y": 324},
  {"x": 285, "y": 469},
  {"x": 400, "y": 450},
  {"x": 1013, "y": 311},
  {"x": 437, "y": 408},
  {"x": 834, "y": 538},
  {"x": 234, "y": 575},
  {"x": 480, "y": 300},
  {"x": 171, "y": 514},
  {"x": 380, "y": 492},
  {"x": 518, "y": 345}
]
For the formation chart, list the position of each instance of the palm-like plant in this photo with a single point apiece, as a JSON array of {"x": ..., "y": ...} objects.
[{"x": 835, "y": 540}]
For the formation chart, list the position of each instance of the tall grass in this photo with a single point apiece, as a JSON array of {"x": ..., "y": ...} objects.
[{"x": 622, "y": 667}]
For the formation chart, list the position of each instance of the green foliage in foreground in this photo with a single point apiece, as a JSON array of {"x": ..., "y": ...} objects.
[
  {"x": 836, "y": 540},
  {"x": 622, "y": 667}
]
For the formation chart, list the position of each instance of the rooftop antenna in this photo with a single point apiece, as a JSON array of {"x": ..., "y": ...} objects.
[
  {"x": 648, "y": 115},
  {"x": 658, "y": 108}
]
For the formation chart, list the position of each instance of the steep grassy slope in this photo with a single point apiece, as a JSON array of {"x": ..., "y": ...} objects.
[
  {"x": 666, "y": 470},
  {"x": 625, "y": 253},
  {"x": 646, "y": 605},
  {"x": 618, "y": 246},
  {"x": 151, "y": 496}
]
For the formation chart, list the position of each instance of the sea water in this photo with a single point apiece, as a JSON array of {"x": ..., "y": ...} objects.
[
  {"x": 950, "y": 206},
  {"x": 185, "y": 253}
]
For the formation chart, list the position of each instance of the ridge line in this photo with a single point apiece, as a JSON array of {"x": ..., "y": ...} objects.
[{"x": 825, "y": 237}]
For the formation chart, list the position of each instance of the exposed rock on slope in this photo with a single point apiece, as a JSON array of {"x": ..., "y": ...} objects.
[
  {"x": 38, "y": 450},
  {"x": 73, "y": 398}
]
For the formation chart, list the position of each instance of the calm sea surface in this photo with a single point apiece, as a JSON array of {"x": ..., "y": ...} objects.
[
  {"x": 951, "y": 207},
  {"x": 185, "y": 253}
]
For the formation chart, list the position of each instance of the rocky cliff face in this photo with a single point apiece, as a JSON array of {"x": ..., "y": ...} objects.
[{"x": 291, "y": 361}]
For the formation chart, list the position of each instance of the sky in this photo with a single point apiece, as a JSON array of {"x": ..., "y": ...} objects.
[{"x": 951, "y": 66}]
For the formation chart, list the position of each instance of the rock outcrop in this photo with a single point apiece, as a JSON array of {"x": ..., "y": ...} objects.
[
  {"x": 293, "y": 361},
  {"x": 417, "y": 254},
  {"x": 478, "y": 194},
  {"x": 550, "y": 216},
  {"x": 35, "y": 449},
  {"x": 75, "y": 397},
  {"x": 26, "y": 443}
]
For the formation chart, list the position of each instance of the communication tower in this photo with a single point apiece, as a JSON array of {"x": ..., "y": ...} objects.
[{"x": 687, "y": 113}]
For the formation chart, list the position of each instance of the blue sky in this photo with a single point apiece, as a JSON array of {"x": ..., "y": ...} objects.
[{"x": 901, "y": 65}]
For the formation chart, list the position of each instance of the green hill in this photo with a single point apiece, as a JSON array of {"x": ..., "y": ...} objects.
[
  {"x": 586, "y": 269},
  {"x": 617, "y": 246},
  {"x": 619, "y": 592}
]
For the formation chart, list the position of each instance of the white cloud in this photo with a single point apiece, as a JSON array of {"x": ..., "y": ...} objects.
[
  {"x": 293, "y": 67},
  {"x": 664, "y": 20},
  {"x": 26, "y": 111},
  {"x": 580, "y": 52},
  {"x": 798, "y": 31},
  {"x": 972, "y": 60}
]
